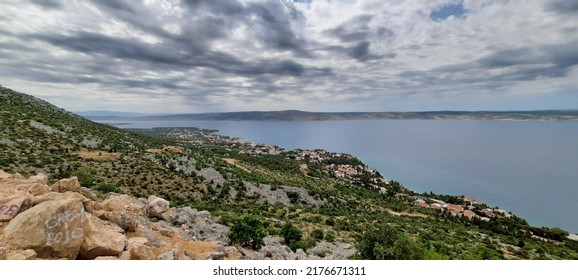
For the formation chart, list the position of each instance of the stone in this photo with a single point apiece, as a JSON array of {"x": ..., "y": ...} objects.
[
  {"x": 55, "y": 196},
  {"x": 169, "y": 215},
  {"x": 214, "y": 255},
  {"x": 101, "y": 239},
  {"x": 38, "y": 189},
  {"x": 67, "y": 185},
  {"x": 127, "y": 221},
  {"x": 12, "y": 205},
  {"x": 124, "y": 203},
  {"x": 91, "y": 206},
  {"x": 40, "y": 178},
  {"x": 54, "y": 229},
  {"x": 27, "y": 254},
  {"x": 170, "y": 255},
  {"x": 157, "y": 206},
  {"x": 139, "y": 250},
  {"x": 232, "y": 253}
]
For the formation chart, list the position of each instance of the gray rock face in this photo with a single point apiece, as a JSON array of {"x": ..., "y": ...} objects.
[
  {"x": 330, "y": 251},
  {"x": 201, "y": 226},
  {"x": 279, "y": 195}
]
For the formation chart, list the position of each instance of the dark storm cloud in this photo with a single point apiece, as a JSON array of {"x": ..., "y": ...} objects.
[
  {"x": 48, "y": 4},
  {"x": 562, "y": 6},
  {"x": 522, "y": 64},
  {"x": 172, "y": 55},
  {"x": 357, "y": 34}
]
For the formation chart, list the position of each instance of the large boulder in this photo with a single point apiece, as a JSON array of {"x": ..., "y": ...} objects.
[
  {"x": 139, "y": 249},
  {"x": 67, "y": 185},
  {"x": 14, "y": 204},
  {"x": 40, "y": 178},
  {"x": 53, "y": 196},
  {"x": 201, "y": 226},
  {"x": 157, "y": 206},
  {"x": 101, "y": 239},
  {"x": 38, "y": 189},
  {"x": 54, "y": 229},
  {"x": 124, "y": 203}
]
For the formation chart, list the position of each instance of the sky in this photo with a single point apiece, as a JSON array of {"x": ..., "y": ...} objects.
[{"x": 192, "y": 56}]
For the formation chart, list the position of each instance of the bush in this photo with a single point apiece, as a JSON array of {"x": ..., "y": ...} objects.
[
  {"x": 247, "y": 231},
  {"x": 106, "y": 187},
  {"x": 317, "y": 234},
  {"x": 386, "y": 243},
  {"x": 85, "y": 176},
  {"x": 291, "y": 235}
]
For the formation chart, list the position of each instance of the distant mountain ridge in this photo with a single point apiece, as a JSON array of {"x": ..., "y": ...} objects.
[{"x": 296, "y": 115}]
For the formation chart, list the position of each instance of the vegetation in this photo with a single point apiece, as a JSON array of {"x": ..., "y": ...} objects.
[
  {"x": 286, "y": 194},
  {"x": 247, "y": 231}
]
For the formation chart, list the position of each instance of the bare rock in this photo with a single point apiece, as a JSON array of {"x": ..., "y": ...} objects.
[
  {"x": 54, "y": 229},
  {"x": 55, "y": 196},
  {"x": 157, "y": 206},
  {"x": 273, "y": 249},
  {"x": 231, "y": 252},
  {"x": 123, "y": 203},
  {"x": 337, "y": 251},
  {"x": 40, "y": 178},
  {"x": 139, "y": 250},
  {"x": 127, "y": 221},
  {"x": 101, "y": 239},
  {"x": 38, "y": 189},
  {"x": 67, "y": 185},
  {"x": 27, "y": 254},
  {"x": 12, "y": 205},
  {"x": 91, "y": 206}
]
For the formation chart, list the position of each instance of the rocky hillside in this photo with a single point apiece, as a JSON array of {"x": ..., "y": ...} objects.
[
  {"x": 253, "y": 200},
  {"x": 67, "y": 221}
]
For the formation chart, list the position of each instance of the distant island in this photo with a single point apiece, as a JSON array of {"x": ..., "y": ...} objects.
[{"x": 296, "y": 115}]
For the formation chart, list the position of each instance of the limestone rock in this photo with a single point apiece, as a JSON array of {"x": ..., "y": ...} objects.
[
  {"x": 40, "y": 177},
  {"x": 101, "y": 240},
  {"x": 55, "y": 196},
  {"x": 201, "y": 226},
  {"x": 122, "y": 203},
  {"x": 139, "y": 250},
  {"x": 273, "y": 249},
  {"x": 157, "y": 206},
  {"x": 12, "y": 205},
  {"x": 67, "y": 185},
  {"x": 125, "y": 220},
  {"x": 54, "y": 229},
  {"x": 38, "y": 189},
  {"x": 27, "y": 254}
]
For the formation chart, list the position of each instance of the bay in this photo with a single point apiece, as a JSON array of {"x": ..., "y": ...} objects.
[{"x": 527, "y": 167}]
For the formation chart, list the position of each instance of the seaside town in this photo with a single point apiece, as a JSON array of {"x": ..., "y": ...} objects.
[{"x": 344, "y": 167}]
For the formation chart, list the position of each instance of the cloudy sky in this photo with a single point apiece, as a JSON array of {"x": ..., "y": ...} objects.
[{"x": 318, "y": 55}]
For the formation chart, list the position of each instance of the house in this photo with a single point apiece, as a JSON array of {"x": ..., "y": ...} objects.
[{"x": 468, "y": 214}]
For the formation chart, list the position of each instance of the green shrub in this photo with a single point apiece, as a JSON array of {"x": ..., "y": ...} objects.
[
  {"x": 317, "y": 234},
  {"x": 247, "y": 231},
  {"x": 387, "y": 243},
  {"x": 106, "y": 187}
]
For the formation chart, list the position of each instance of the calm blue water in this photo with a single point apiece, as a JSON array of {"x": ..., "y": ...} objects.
[{"x": 529, "y": 168}]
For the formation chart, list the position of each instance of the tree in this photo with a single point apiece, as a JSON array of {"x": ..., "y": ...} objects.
[
  {"x": 291, "y": 235},
  {"x": 247, "y": 231},
  {"x": 387, "y": 243}
]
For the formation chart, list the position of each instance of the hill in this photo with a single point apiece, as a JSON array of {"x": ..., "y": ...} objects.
[
  {"x": 318, "y": 203},
  {"x": 295, "y": 115}
]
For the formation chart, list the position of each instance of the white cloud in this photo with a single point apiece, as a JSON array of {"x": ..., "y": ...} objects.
[{"x": 265, "y": 55}]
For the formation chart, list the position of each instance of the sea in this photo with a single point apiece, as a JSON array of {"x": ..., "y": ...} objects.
[{"x": 527, "y": 167}]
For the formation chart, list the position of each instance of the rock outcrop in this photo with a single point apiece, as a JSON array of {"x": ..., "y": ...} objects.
[{"x": 66, "y": 221}]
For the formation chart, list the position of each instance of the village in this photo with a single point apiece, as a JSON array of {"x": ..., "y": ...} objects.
[{"x": 348, "y": 168}]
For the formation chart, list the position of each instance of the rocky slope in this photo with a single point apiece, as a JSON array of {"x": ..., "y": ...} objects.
[{"x": 67, "y": 221}]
